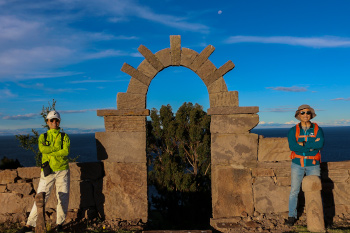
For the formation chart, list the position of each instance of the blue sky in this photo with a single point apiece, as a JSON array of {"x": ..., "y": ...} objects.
[{"x": 286, "y": 53}]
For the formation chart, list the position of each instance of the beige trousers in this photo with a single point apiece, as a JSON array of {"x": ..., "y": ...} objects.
[{"x": 61, "y": 178}]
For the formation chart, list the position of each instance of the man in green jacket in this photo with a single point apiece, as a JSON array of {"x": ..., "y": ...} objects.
[{"x": 54, "y": 147}]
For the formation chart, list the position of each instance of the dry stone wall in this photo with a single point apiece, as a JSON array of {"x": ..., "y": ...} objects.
[
  {"x": 271, "y": 181},
  {"x": 18, "y": 188}
]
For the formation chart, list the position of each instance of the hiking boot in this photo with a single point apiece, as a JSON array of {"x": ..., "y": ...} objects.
[
  {"x": 290, "y": 222},
  {"x": 25, "y": 229}
]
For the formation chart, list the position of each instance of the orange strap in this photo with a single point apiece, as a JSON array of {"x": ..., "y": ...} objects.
[
  {"x": 297, "y": 136},
  {"x": 314, "y": 158}
]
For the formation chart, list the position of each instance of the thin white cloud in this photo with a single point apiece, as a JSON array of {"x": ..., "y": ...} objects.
[
  {"x": 93, "y": 81},
  {"x": 344, "y": 99},
  {"x": 28, "y": 116},
  {"x": 106, "y": 53},
  {"x": 313, "y": 42},
  {"x": 288, "y": 89},
  {"x": 279, "y": 110},
  {"x": 6, "y": 93},
  {"x": 291, "y": 122},
  {"x": 342, "y": 122}
]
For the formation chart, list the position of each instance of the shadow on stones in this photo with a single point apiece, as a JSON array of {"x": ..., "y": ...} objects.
[
  {"x": 327, "y": 195},
  {"x": 91, "y": 208},
  {"x": 179, "y": 211},
  {"x": 101, "y": 151}
]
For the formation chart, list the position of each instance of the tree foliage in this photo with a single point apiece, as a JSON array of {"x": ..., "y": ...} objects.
[
  {"x": 7, "y": 163},
  {"x": 179, "y": 164}
]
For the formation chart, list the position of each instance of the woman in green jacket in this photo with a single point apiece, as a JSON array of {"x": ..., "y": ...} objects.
[{"x": 54, "y": 147}]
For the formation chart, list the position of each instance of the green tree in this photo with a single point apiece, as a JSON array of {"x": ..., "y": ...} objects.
[
  {"x": 30, "y": 142},
  {"x": 178, "y": 149}
]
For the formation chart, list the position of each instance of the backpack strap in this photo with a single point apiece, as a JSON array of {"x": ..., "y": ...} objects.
[
  {"x": 45, "y": 138},
  {"x": 62, "y": 137}
]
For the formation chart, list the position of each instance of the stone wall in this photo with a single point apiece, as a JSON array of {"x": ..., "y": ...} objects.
[
  {"x": 271, "y": 181},
  {"x": 248, "y": 189},
  {"x": 18, "y": 188}
]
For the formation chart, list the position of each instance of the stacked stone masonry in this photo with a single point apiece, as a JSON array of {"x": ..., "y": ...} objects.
[{"x": 91, "y": 186}]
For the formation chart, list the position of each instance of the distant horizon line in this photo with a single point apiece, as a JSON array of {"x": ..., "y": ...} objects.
[{"x": 77, "y": 131}]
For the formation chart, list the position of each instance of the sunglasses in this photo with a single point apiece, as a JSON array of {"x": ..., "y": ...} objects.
[
  {"x": 308, "y": 113},
  {"x": 52, "y": 120}
]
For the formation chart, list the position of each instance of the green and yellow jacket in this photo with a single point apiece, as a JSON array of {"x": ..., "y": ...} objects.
[{"x": 52, "y": 150}]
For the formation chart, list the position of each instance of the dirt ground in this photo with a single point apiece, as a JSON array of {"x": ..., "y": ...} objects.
[{"x": 259, "y": 223}]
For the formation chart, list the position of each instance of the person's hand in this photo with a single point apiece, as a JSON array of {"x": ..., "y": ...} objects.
[
  {"x": 300, "y": 143},
  {"x": 317, "y": 139}
]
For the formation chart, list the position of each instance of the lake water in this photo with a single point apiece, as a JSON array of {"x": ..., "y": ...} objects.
[{"x": 336, "y": 148}]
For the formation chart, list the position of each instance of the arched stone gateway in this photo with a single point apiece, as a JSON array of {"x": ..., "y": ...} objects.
[{"x": 123, "y": 146}]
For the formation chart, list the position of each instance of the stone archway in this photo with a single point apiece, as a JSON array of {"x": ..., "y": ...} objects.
[{"x": 123, "y": 146}]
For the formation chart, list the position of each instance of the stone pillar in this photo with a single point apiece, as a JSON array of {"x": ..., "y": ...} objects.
[
  {"x": 40, "y": 221},
  {"x": 123, "y": 151},
  {"x": 233, "y": 155},
  {"x": 313, "y": 203}
]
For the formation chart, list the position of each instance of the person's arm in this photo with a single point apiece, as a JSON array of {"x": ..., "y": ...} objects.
[
  {"x": 293, "y": 144},
  {"x": 43, "y": 148},
  {"x": 317, "y": 144},
  {"x": 58, "y": 152}
]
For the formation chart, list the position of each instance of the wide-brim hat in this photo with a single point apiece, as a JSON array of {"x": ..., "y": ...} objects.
[{"x": 304, "y": 106}]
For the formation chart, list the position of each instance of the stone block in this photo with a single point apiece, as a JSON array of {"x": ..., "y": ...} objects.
[
  {"x": 80, "y": 195},
  {"x": 125, "y": 147},
  {"x": 275, "y": 165},
  {"x": 337, "y": 176},
  {"x": 284, "y": 181},
  {"x": 202, "y": 57},
  {"x": 8, "y": 176},
  {"x": 14, "y": 203},
  {"x": 341, "y": 193},
  {"x": 21, "y": 188},
  {"x": 338, "y": 165},
  {"x": 164, "y": 56},
  {"x": 187, "y": 57},
  {"x": 231, "y": 192},
  {"x": 124, "y": 112},
  {"x": 238, "y": 150},
  {"x": 224, "y": 99},
  {"x": 218, "y": 86},
  {"x": 125, "y": 191},
  {"x": 283, "y": 171},
  {"x": 130, "y": 101},
  {"x": 269, "y": 197},
  {"x": 232, "y": 110},
  {"x": 205, "y": 70},
  {"x": 128, "y": 69},
  {"x": 257, "y": 172},
  {"x": 2, "y": 188},
  {"x": 36, "y": 184},
  {"x": 225, "y": 224},
  {"x": 86, "y": 171},
  {"x": 273, "y": 149},
  {"x": 147, "y": 69},
  {"x": 342, "y": 209},
  {"x": 125, "y": 123},
  {"x": 175, "y": 46},
  {"x": 312, "y": 186},
  {"x": 29, "y": 172},
  {"x": 137, "y": 87},
  {"x": 151, "y": 58},
  {"x": 238, "y": 123},
  {"x": 220, "y": 72}
]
